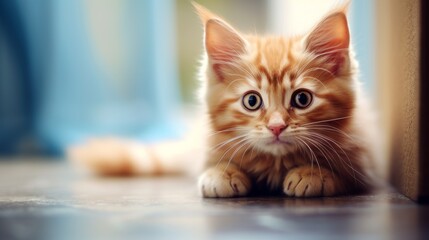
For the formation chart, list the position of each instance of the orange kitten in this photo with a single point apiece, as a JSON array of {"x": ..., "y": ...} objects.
[
  {"x": 285, "y": 116},
  {"x": 284, "y": 112}
]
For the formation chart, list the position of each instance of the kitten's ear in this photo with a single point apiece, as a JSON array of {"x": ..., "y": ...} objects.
[
  {"x": 331, "y": 39},
  {"x": 223, "y": 43}
]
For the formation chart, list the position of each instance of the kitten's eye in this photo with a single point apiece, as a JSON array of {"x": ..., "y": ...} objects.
[
  {"x": 301, "y": 99},
  {"x": 252, "y": 101}
]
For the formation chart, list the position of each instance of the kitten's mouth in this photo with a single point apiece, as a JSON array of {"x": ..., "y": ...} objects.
[
  {"x": 278, "y": 146},
  {"x": 278, "y": 141}
]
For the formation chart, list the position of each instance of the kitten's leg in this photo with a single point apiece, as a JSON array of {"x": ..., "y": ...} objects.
[
  {"x": 116, "y": 156},
  {"x": 112, "y": 156},
  {"x": 311, "y": 181},
  {"x": 224, "y": 181}
]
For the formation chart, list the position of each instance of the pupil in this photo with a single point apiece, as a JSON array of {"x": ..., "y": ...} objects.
[
  {"x": 302, "y": 98},
  {"x": 252, "y": 100}
]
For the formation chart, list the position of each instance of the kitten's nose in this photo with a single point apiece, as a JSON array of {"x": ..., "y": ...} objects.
[
  {"x": 276, "y": 123},
  {"x": 277, "y": 129}
]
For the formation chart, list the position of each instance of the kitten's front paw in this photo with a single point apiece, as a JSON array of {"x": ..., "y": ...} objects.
[
  {"x": 307, "y": 181},
  {"x": 215, "y": 182}
]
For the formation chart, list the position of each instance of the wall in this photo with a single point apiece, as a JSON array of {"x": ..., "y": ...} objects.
[{"x": 398, "y": 78}]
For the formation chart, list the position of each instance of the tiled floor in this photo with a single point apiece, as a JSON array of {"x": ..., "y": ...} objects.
[{"x": 49, "y": 200}]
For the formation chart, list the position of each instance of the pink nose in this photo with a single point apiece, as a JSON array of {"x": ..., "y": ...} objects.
[{"x": 277, "y": 129}]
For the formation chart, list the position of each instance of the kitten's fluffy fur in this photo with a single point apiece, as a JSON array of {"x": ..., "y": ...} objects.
[{"x": 279, "y": 146}]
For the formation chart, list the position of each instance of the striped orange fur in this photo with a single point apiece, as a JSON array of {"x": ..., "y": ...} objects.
[{"x": 320, "y": 151}]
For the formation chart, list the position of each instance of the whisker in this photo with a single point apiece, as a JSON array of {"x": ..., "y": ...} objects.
[
  {"x": 317, "y": 80},
  {"x": 316, "y": 57},
  {"x": 313, "y": 158},
  {"x": 319, "y": 147},
  {"x": 327, "y": 120},
  {"x": 229, "y": 149},
  {"x": 221, "y": 144},
  {"x": 226, "y": 130},
  {"x": 331, "y": 129},
  {"x": 244, "y": 153},
  {"x": 350, "y": 165},
  {"x": 316, "y": 69},
  {"x": 233, "y": 155}
]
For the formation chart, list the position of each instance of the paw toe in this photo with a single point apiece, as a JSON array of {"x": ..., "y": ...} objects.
[
  {"x": 218, "y": 184},
  {"x": 309, "y": 187},
  {"x": 306, "y": 182},
  {"x": 290, "y": 183}
]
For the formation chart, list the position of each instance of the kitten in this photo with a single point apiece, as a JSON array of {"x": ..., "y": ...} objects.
[{"x": 285, "y": 116}]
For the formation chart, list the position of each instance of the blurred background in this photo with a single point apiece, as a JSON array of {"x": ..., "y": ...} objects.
[{"x": 75, "y": 69}]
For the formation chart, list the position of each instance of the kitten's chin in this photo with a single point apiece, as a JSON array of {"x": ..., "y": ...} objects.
[{"x": 277, "y": 147}]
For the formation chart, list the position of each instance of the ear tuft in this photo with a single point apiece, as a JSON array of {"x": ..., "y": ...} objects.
[{"x": 204, "y": 14}]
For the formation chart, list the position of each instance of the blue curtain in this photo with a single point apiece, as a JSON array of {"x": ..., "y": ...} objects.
[
  {"x": 63, "y": 78},
  {"x": 363, "y": 32}
]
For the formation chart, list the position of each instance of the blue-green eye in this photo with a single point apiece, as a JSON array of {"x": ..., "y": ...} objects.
[
  {"x": 252, "y": 101},
  {"x": 301, "y": 99}
]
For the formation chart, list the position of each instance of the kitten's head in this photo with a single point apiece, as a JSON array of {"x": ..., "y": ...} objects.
[{"x": 276, "y": 94}]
